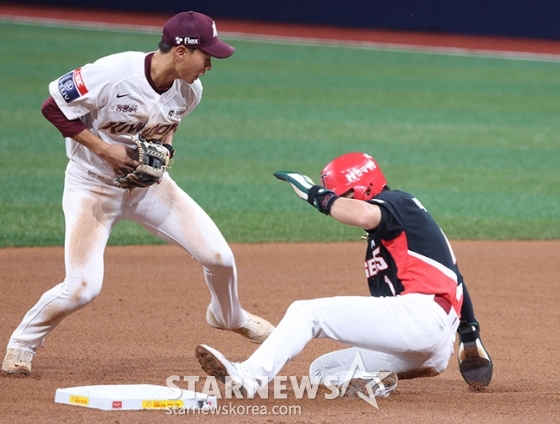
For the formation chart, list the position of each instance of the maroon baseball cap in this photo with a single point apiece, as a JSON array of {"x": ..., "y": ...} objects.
[{"x": 196, "y": 30}]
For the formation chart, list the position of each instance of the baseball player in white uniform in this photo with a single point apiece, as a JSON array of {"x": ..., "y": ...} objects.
[
  {"x": 405, "y": 329},
  {"x": 99, "y": 108}
]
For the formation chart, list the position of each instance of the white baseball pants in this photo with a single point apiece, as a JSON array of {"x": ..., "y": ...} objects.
[
  {"x": 91, "y": 209},
  {"x": 398, "y": 334}
]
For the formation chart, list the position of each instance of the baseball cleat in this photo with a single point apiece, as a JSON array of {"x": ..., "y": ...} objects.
[
  {"x": 256, "y": 329},
  {"x": 475, "y": 363},
  {"x": 378, "y": 384},
  {"x": 217, "y": 365},
  {"x": 17, "y": 361}
]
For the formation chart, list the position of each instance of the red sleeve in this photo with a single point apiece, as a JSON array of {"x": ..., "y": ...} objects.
[{"x": 52, "y": 112}]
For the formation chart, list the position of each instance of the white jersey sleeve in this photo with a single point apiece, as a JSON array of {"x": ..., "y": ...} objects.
[{"x": 115, "y": 100}]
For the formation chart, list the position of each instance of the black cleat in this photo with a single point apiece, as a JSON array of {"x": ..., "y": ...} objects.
[{"x": 475, "y": 363}]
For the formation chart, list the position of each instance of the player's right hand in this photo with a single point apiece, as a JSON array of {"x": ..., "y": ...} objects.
[{"x": 120, "y": 158}]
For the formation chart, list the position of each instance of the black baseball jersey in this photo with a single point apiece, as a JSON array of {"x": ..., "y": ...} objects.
[{"x": 409, "y": 253}]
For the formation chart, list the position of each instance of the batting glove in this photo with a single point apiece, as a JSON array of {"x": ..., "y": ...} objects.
[{"x": 306, "y": 189}]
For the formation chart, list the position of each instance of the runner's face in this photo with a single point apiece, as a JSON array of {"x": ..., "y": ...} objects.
[{"x": 193, "y": 64}]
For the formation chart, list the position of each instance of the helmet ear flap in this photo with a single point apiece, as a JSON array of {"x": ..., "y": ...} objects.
[
  {"x": 364, "y": 193},
  {"x": 359, "y": 193},
  {"x": 370, "y": 191}
]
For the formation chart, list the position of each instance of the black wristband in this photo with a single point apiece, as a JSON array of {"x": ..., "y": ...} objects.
[
  {"x": 171, "y": 150},
  {"x": 325, "y": 201},
  {"x": 321, "y": 198}
]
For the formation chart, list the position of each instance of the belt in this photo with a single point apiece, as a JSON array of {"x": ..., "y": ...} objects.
[
  {"x": 102, "y": 178},
  {"x": 443, "y": 302}
]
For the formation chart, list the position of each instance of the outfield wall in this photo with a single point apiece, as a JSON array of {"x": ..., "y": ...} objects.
[{"x": 513, "y": 18}]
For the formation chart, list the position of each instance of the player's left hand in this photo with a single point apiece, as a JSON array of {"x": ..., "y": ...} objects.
[
  {"x": 153, "y": 159},
  {"x": 306, "y": 189},
  {"x": 299, "y": 182}
]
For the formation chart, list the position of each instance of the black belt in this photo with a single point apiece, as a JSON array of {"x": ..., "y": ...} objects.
[{"x": 443, "y": 302}]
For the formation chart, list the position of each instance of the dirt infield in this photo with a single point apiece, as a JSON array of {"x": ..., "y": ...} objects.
[{"x": 148, "y": 319}]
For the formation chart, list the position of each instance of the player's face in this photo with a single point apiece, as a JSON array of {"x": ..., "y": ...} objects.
[{"x": 192, "y": 64}]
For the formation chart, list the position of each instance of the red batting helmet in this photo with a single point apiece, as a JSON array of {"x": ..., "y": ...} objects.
[{"x": 354, "y": 171}]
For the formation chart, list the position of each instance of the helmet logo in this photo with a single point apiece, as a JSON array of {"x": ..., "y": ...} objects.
[{"x": 356, "y": 173}]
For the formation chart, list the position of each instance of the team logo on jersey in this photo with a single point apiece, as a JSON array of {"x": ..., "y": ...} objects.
[
  {"x": 157, "y": 132},
  {"x": 176, "y": 113},
  {"x": 122, "y": 127},
  {"x": 71, "y": 86},
  {"x": 376, "y": 264},
  {"x": 187, "y": 41}
]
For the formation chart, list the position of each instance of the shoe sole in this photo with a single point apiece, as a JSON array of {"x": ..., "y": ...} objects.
[
  {"x": 210, "y": 364},
  {"x": 213, "y": 366},
  {"x": 476, "y": 371}
]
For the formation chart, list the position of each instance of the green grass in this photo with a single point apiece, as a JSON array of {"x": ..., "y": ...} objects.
[{"x": 476, "y": 139}]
